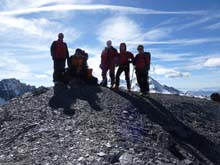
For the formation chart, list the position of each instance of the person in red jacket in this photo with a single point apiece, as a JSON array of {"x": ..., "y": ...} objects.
[
  {"x": 109, "y": 58},
  {"x": 59, "y": 52},
  {"x": 142, "y": 66},
  {"x": 125, "y": 58}
]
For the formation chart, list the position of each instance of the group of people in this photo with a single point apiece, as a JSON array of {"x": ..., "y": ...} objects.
[{"x": 110, "y": 60}]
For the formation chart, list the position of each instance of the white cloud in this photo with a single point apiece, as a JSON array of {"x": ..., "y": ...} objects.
[
  {"x": 11, "y": 67},
  {"x": 197, "y": 62},
  {"x": 119, "y": 29},
  {"x": 42, "y": 76},
  {"x": 38, "y": 7},
  {"x": 169, "y": 73},
  {"x": 33, "y": 33},
  {"x": 212, "y": 62},
  {"x": 123, "y": 29}
]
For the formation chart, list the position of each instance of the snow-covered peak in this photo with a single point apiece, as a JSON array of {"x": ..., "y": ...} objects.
[{"x": 156, "y": 87}]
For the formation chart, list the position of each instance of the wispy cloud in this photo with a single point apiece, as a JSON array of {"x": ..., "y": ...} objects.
[
  {"x": 35, "y": 34},
  {"x": 183, "y": 42},
  {"x": 195, "y": 22},
  {"x": 157, "y": 34},
  {"x": 214, "y": 26},
  {"x": 7, "y": 5},
  {"x": 170, "y": 56},
  {"x": 95, "y": 7}
]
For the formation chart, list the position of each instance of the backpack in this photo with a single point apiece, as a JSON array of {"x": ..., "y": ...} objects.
[
  {"x": 215, "y": 97},
  {"x": 147, "y": 62}
]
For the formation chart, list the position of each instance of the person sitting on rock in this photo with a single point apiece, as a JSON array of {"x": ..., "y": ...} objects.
[
  {"x": 125, "y": 58},
  {"x": 78, "y": 68}
]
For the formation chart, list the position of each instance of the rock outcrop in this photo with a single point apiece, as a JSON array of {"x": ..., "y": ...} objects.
[
  {"x": 97, "y": 126},
  {"x": 10, "y": 88}
]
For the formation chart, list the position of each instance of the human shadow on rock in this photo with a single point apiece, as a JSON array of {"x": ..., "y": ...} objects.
[
  {"x": 66, "y": 97},
  {"x": 182, "y": 134}
]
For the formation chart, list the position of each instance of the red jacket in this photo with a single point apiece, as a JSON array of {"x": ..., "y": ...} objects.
[
  {"x": 109, "y": 57},
  {"x": 142, "y": 60},
  {"x": 125, "y": 58},
  {"x": 59, "y": 50}
]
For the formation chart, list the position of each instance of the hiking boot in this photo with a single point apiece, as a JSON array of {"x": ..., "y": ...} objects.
[
  {"x": 68, "y": 86},
  {"x": 103, "y": 83},
  {"x": 141, "y": 94},
  {"x": 129, "y": 89},
  {"x": 146, "y": 93},
  {"x": 58, "y": 83},
  {"x": 116, "y": 87}
]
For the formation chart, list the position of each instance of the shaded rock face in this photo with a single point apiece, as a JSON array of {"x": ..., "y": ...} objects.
[
  {"x": 10, "y": 88},
  {"x": 94, "y": 125}
]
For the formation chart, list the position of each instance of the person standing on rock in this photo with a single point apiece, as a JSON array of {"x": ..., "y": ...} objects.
[
  {"x": 59, "y": 52},
  {"x": 142, "y": 66},
  {"x": 125, "y": 58},
  {"x": 109, "y": 59}
]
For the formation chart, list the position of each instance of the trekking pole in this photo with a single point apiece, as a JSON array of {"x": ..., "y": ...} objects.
[{"x": 132, "y": 76}]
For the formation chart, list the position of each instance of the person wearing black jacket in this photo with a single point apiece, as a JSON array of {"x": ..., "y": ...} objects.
[
  {"x": 59, "y": 52},
  {"x": 142, "y": 66}
]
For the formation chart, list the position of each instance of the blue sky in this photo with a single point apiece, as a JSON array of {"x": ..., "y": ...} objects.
[{"x": 182, "y": 36}]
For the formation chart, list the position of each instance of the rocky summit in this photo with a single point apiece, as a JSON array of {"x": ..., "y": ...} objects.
[{"x": 91, "y": 125}]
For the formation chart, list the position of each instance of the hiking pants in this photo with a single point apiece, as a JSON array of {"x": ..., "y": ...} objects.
[
  {"x": 59, "y": 69},
  {"x": 126, "y": 70},
  {"x": 111, "y": 74},
  {"x": 142, "y": 79}
]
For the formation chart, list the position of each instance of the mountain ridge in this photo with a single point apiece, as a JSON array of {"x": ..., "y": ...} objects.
[
  {"x": 108, "y": 128},
  {"x": 10, "y": 88}
]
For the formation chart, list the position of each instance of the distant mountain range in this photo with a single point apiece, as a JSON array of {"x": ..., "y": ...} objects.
[
  {"x": 10, "y": 88},
  {"x": 201, "y": 93}
]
